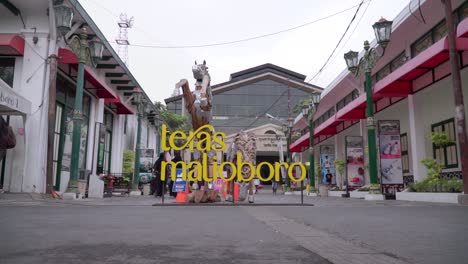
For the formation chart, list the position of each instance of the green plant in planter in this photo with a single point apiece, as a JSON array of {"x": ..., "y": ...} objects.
[
  {"x": 364, "y": 189},
  {"x": 440, "y": 139},
  {"x": 318, "y": 172},
  {"x": 128, "y": 161},
  {"x": 340, "y": 168}
]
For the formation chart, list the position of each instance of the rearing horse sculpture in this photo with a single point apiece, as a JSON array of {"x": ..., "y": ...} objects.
[{"x": 198, "y": 104}]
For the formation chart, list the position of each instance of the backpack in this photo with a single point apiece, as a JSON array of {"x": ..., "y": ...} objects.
[{"x": 7, "y": 136}]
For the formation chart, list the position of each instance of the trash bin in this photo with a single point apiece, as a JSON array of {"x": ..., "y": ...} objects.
[{"x": 323, "y": 191}]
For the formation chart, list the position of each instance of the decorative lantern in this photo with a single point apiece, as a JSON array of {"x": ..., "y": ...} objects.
[
  {"x": 96, "y": 48},
  {"x": 383, "y": 30},
  {"x": 351, "y": 59},
  {"x": 63, "y": 18}
]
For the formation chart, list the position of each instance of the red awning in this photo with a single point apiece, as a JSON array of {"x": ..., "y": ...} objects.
[
  {"x": 122, "y": 108},
  {"x": 399, "y": 82},
  {"x": 11, "y": 45},
  {"x": 355, "y": 110},
  {"x": 300, "y": 144},
  {"x": 100, "y": 89},
  {"x": 328, "y": 127}
]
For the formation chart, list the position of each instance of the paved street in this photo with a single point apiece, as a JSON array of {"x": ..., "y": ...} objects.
[{"x": 130, "y": 230}]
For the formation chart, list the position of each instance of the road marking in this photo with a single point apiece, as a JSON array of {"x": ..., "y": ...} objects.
[{"x": 320, "y": 242}]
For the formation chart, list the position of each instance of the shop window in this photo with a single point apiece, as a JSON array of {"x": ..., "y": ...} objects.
[
  {"x": 404, "y": 153},
  {"x": 462, "y": 12},
  {"x": 7, "y": 70},
  {"x": 440, "y": 31},
  {"x": 421, "y": 44},
  {"x": 383, "y": 72},
  {"x": 398, "y": 61},
  {"x": 446, "y": 155}
]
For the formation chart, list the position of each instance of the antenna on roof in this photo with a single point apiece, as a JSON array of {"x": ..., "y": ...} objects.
[{"x": 122, "y": 40}]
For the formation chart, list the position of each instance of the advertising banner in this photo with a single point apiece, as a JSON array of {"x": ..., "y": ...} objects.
[
  {"x": 179, "y": 185},
  {"x": 146, "y": 165},
  {"x": 355, "y": 161},
  {"x": 390, "y": 154},
  {"x": 327, "y": 161}
]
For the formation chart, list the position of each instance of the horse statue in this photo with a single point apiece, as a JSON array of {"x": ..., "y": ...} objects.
[
  {"x": 198, "y": 104},
  {"x": 245, "y": 144}
]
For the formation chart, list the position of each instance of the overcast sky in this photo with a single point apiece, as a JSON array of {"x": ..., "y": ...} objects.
[{"x": 189, "y": 22}]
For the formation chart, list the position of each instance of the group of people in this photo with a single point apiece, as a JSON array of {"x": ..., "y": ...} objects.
[{"x": 158, "y": 186}]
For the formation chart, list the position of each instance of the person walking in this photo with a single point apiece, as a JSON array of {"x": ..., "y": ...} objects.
[
  {"x": 176, "y": 159},
  {"x": 274, "y": 186},
  {"x": 158, "y": 183}
]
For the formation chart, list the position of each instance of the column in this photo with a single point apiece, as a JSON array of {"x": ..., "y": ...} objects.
[{"x": 416, "y": 139}]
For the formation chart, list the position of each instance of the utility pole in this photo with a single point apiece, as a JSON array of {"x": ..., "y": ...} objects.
[
  {"x": 51, "y": 122},
  {"x": 460, "y": 124}
]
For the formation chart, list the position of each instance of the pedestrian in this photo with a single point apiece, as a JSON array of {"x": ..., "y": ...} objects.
[
  {"x": 274, "y": 186},
  {"x": 158, "y": 183},
  {"x": 256, "y": 183}
]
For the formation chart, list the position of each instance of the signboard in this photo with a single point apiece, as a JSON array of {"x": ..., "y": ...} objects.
[
  {"x": 11, "y": 102},
  {"x": 327, "y": 161},
  {"x": 101, "y": 147},
  {"x": 391, "y": 168},
  {"x": 355, "y": 161},
  {"x": 179, "y": 185},
  {"x": 146, "y": 165}
]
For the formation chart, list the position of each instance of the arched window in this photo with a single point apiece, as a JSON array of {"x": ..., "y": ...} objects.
[{"x": 270, "y": 132}]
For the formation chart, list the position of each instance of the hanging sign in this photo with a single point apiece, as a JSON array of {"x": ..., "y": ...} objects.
[
  {"x": 355, "y": 161},
  {"x": 391, "y": 168}
]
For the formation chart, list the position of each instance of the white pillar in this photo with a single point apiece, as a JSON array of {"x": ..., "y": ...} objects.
[{"x": 416, "y": 139}]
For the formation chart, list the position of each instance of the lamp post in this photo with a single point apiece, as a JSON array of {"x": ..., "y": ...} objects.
[
  {"x": 138, "y": 100},
  {"x": 88, "y": 52},
  {"x": 287, "y": 129},
  {"x": 382, "y": 30},
  {"x": 308, "y": 112}
]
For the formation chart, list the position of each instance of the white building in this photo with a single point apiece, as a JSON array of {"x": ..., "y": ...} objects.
[{"x": 29, "y": 42}]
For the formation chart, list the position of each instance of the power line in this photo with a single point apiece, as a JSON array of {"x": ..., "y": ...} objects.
[
  {"x": 352, "y": 33},
  {"x": 266, "y": 111},
  {"x": 333, "y": 52},
  {"x": 239, "y": 40}
]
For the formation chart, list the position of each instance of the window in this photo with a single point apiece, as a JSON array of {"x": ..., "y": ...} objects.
[
  {"x": 398, "y": 61},
  {"x": 383, "y": 72},
  {"x": 421, "y": 44},
  {"x": 7, "y": 70},
  {"x": 439, "y": 31},
  {"x": 446, "y": 155},
  {"x": 347, "y": 99},
  {"x": 404, "y": 152},
  {"x": 462, "y": 12}
]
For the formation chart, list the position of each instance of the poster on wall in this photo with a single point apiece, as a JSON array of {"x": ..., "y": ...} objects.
[
  {"x": 146, "y": 165},
  {"x": 327, "y": 161},
  {"x": 355, "y": 161},
  {"x": 391, "y": 168},
  {"x": 101, "y": 147}
]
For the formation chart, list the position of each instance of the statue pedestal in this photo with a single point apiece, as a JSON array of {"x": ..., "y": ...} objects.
[{"x": 205, "y": 196}]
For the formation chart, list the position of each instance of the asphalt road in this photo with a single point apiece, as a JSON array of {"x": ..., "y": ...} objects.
[{"x": 130, "y": 230}]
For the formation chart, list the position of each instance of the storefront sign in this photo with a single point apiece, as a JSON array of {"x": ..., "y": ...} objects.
[
  {"x": 327, "y": 161},
  {"x": 355, "y": 161},
  {"x": 11, "y": 102},
  {"x": 390, "y": 155}
]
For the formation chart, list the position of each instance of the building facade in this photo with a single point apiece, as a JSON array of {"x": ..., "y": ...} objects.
[
  {"x": 39, "y": 69},
  {"x": 412, "y": 85}
]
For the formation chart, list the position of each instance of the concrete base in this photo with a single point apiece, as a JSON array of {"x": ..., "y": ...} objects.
[
  {"x": 288, "y": 193},
  {"x": 374, "y": 197},
  {"x": 428, "y": 197},
  {"x": 69, "y": 196},
  {"x": 312, "y": 194},
  {"x": 335, "y": 193},
  {"x": 135, "y": 193},
  {"x": 359, "y": 195},
  {"x": 463, "y": 199}
]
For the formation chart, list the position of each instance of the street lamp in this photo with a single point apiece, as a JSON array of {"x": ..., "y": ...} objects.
[
  {"x": 308, "y": 112},
  {"x": 87, "y": 53},
  {"x": 382, "y": 30},
  {"x": 138, "y": 100}
]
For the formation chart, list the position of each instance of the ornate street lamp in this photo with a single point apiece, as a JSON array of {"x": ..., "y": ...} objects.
[
  {"x": 138, "y": 100},
  {"x": 382, "y": 30},
  {"x": 88, "y": 53},
  {"x": 308, "y": 112}
]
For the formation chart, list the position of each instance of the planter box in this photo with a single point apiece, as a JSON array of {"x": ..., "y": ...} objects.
[
  {"x": 374, "y": 197},
  {"x": 335, "y": 193},
  {"x": 356, "y": 194},
  {"x": 428, "y": 197}
]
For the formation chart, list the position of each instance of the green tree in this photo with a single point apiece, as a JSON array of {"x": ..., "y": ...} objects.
[{"x": 298, "y": 107}]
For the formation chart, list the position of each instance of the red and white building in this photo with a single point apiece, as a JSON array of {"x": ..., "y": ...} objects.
[{"x": 411, "y": 83}]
